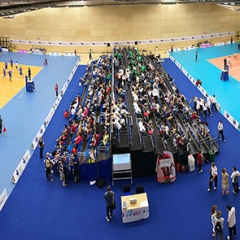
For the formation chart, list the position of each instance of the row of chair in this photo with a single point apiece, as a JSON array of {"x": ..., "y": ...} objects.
[{"x": 126, "y": 190}]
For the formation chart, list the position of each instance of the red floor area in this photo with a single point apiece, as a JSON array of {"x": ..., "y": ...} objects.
[{"x": 234, "y": 70}]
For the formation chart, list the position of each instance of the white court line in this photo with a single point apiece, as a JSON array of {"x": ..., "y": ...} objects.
[
  {"x": 8, "y": 86},
  {"x": 21, "y": 95}
]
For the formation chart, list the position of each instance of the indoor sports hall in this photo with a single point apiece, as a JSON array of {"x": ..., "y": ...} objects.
[{"x": 40, "y": 209}]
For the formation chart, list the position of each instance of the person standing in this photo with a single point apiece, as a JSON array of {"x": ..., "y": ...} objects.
[
  {"x": 6, "y": 65},
  {"x": 229, "y": 62},
  {"x": 218, "y": 223},
  {"x": 208, "y": 99},
  {"x": 196, "y": 56},
  {"x": 16, "y": 65},
  {"x": 214, "y": 103},
  {"x": 41, "y": 146},
  {"x": 224, "y": 63},
  {"x": 4, "y": 72},
  {"x": 21, "y": 71},
  {"x": 65, "y": 173},
  {"x": 10, "y": 75},
  {"x": 90, "y": 55},
  {"x": 48, "y": 168},
  {"x": 213, "y": 177},
  {"x": 231, "y": 222},
  {"x": 234, "y": 177},
  {"x": 11, "y": 63},
  {"x": 29, "y": 73},
  {"x": 205, "y": 108},
  {"x": 225, "y": 182},
  {"x": 220, "y": 131},
  {"x": 56, "y": 89},
  {"x": 75, "y": 52},
  {"x": 76, "y": 168},
  {"x": 235, "y": 56},
  {"x": 1, "y": 125},
  {"x": 213, "y": 215},
  {"x": 109, "y": 198},
  {"x": 200, "y": 161}
]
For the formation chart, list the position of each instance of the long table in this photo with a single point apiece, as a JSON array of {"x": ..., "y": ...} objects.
[{"x": 136, "y": 211}]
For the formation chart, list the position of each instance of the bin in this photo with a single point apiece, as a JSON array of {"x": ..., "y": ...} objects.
[{"x": 211, "y": 155}]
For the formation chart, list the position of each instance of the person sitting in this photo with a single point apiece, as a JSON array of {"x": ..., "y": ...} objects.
[
  {"x": 180, "y": 142},
  {"x": 142, "y": 127},
  {"x": 105, "y": 139},
  {"x": 78, "y": 139},
  {"x": 66, "y": 114},
  {"x": 194, "y": 116}
]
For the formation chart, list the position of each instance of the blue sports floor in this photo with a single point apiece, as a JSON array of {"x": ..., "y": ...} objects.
[
  {"x": 26, "y": 112},
  {"x": 38, "y": 209},
  {"x": 227, "y": 93}
]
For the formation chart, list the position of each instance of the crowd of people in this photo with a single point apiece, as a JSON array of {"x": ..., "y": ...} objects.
[
  {"x": 154, "y": 100},
  {"x": 87, "y": 123},
  {"x": 8, "y": 70},
  {"x": 218, "y": 222}
]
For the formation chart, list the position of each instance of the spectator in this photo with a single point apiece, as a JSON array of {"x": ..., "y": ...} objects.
[
  {"x": 225, "y": 183},
  {"x": 218, "y": 222},
  {"x": 234, "y": 177},
  {"x": 200, "y": 161},
  {"x": 76, "y": 168},
  {"x": 48, "y": 168},
  {"x": 220, "y": 131},
  {"x": 214, "y": 103},
  {"x": 213, "y": 215},
  {"x": 66, "y": 114},
  {"x": 142, "y": 127},
  {"x": 213, "y": 177},
  {"x": 231, "y": 222},
  {"x": 109, "y": 198}
]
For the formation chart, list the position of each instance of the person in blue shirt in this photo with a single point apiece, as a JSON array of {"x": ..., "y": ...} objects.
[
  {"x": 6, "y": 65},
  {"x": 4, "y": 73},
  {"x": 1, "y": 125},
  {"x": 21, "y": 71},
  {"x": 10, "y": 75},
  {"x": 76, "y": 168},
  {"x": 11, "y": 63},
  {"x": 65, "y": 173}
]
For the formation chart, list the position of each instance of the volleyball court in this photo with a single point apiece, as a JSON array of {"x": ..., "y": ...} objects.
[
  {"x": 233, "y": 62},
  {"x": 12, "y": 81}
]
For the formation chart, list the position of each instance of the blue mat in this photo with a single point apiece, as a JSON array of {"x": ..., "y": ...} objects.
[{"x": 42, "y": 210}]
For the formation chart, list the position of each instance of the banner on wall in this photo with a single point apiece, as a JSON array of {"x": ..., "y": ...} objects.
[
  {"x": 21, "y": 167},
  {"x": 233, "y": 121},
  {"x": 130, "y": 42},
  {"x": 3, "y": 198}
]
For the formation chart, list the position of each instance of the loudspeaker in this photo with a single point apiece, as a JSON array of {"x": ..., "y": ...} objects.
[
  {"x": 108, "y": 44},
  {"x": 136, "y": 42},
  {"x": 238, "y": 46}
]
